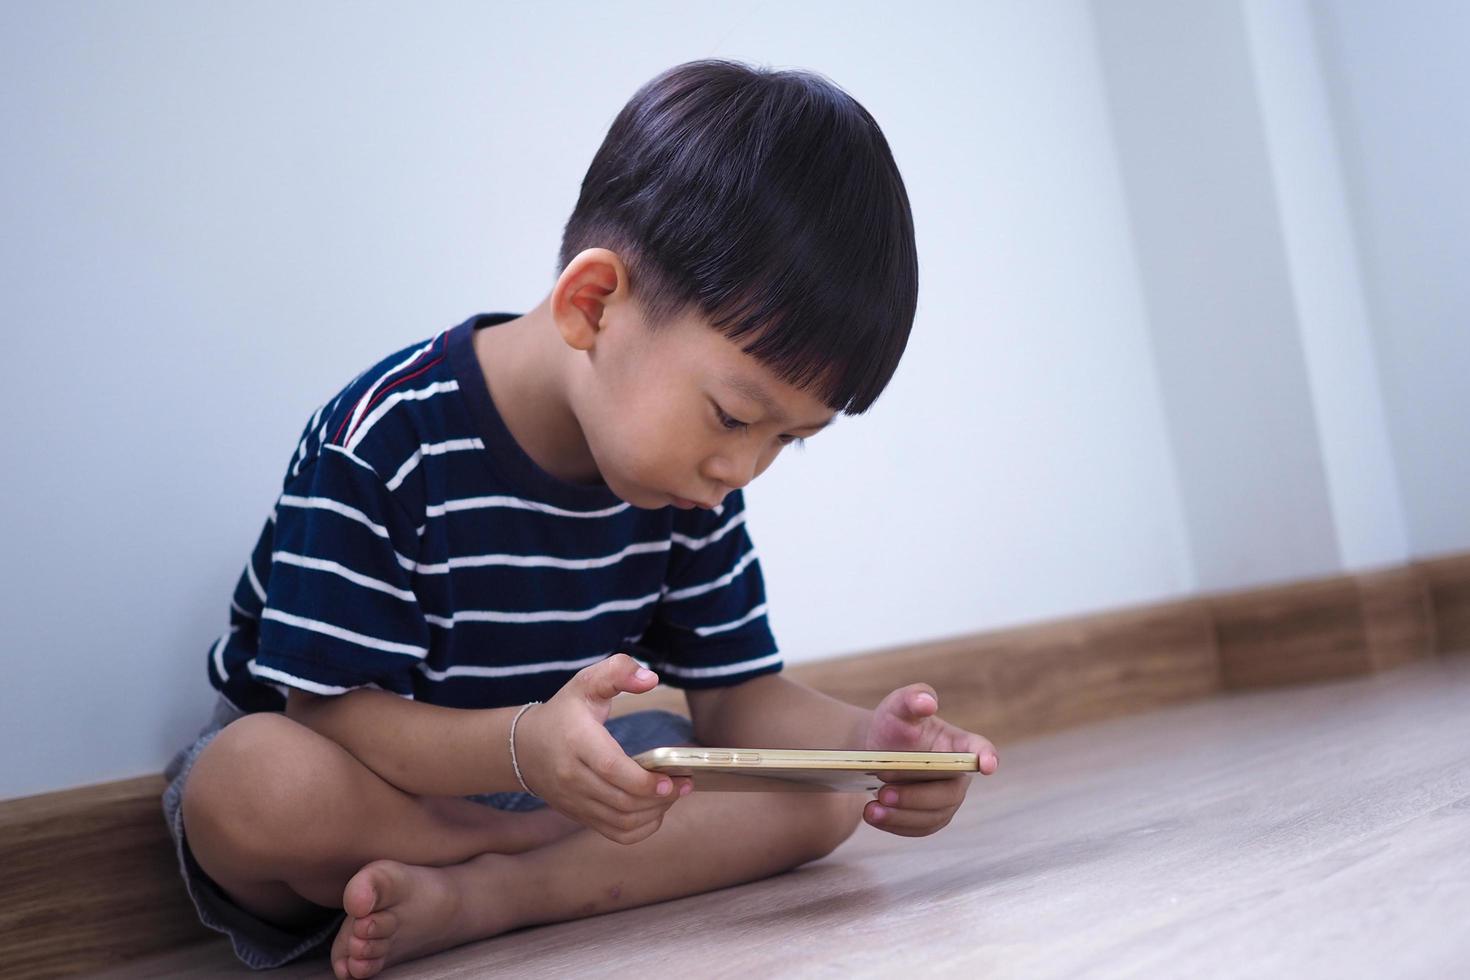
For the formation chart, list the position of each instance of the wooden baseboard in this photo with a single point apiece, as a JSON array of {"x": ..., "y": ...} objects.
[
  {"x": 1313, "y": 631},
  {"x": 89, "y": 879},
  {"x": 88, "y": 876},
  {"x": 1448, "y": 580}
]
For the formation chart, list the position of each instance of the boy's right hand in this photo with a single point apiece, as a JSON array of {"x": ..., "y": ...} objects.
[{"x": 569, "y": 760}]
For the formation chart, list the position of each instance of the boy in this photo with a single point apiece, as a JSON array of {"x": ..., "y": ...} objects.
[{"x": 490, "y": 519}]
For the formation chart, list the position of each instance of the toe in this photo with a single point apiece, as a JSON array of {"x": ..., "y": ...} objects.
[
  {"x": 379, "y": 925},
  {"x": 367, "y": 949},
  {"x": 373, "y": 887},
  {"x": 339, "y": 955},
  {"x": 360, "y": 969}
]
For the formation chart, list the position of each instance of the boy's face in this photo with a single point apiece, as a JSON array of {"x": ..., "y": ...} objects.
[{"x": 661, "y": 412}]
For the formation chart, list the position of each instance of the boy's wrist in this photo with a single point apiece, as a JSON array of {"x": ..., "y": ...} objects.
[{"x": 514, "y": 759}]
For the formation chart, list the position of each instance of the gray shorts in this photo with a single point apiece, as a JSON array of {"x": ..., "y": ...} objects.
[{"x": 262, "y": 945}]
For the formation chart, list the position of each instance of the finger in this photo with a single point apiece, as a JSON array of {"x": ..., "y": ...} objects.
[
  {"x": 597, "y": 788},
  {"x": 985, "y": 754},
  {"x": 623, "y": 820},
  {"x": 918, "y": 702},
  {"x": 638, "y": 835},
  {"x": 623, "y": 830},
  {"x": 936, "y": 795},
  {"x": 899, "y": 821},
  {"x": 606, "y": 679},
  {"x": 614, "y": 767}
]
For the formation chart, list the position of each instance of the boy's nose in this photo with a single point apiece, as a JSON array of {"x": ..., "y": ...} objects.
[{"x": 734, "y": 472}]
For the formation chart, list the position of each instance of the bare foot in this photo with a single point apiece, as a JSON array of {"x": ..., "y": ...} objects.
[{"x": 398, "y": 912}]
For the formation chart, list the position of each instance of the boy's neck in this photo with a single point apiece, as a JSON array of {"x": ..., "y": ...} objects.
[{"x": 524, "y": 362}]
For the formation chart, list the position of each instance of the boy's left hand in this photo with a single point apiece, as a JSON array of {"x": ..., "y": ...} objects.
[{"x": 907, "y": 720}]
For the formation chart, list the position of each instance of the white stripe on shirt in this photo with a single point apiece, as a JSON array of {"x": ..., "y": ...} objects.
[
  {"x": 217, "y": 654},
  {"x": 430, "y": 449},
  {"x": 357, "y": 578},
  {"x": 532, "y": 561},
  {"x": 409, "y": 394},
  {"x": 362, "y": 402},
  {"x": 254, "y": 582},
  {"x": 336, "y": 507},
  {"x": 328, "y": 629},
  {"x": 710, "y": 586},
  {"x": 694, "y": 544},
  {"x": 314, "y": 687},
  {"x": 301, "y": 449},
  {"x": 514, "y": 670},
  {"x": 256, "y": 670},
  {"x": 517, "y": 503},
  {"x": 540, "y": 615},
  {"x": 723, "y": 670},
  {"x": 333, "y": 447},
  {"x": 758, "y": 611},
  {"x": 321, "y": 434}
]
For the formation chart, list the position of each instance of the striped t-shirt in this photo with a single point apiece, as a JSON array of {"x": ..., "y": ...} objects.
[{"x": 416, "y": 548}]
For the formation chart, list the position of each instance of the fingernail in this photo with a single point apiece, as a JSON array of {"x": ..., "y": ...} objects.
[
  {"x": 686, "y": 789},
  {"x": 993, "y": 759},
  {"x": 879, "y": 813},
  {"x": 890, "y": 797},
  {"x": 664, "y": 787},
  {"x": 644, "y": 674}
]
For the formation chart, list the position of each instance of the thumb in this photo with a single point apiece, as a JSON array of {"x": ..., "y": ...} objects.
[
  {"x": 606, "y": 679},
  {"x": 915, "y": 702}
]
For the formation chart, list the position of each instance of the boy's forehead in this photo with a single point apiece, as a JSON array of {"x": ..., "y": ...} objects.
[
  {"x": 742, "y": 373},
  {"x": 760, "y": 392}
]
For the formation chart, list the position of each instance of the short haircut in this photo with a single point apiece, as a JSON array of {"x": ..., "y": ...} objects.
[{"x": 768, "y": 203}]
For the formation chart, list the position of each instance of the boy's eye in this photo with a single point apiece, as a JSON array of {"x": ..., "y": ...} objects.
[
  {"x": 727, "y": 421},
  {"x": 734, "y": 424}
]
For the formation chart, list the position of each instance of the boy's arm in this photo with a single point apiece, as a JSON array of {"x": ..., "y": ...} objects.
[
  {"x": 422, "y": 749},
  {"x": 774, "y": 711},
  {"x": 566, "y": 753}
]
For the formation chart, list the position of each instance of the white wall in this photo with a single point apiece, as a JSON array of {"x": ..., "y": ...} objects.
[
  {"x": 217, "y": 214},
  {"x": 1399, "y": 83},
  {"x": 1197, "y": 171},
  {"x": 1330, "y": 306}
]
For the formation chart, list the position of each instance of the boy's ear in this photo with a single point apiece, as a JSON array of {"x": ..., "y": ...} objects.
[{"x": 593, "y": 281}]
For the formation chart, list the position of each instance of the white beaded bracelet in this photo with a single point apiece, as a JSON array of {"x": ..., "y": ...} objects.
[{"x": 513, "y": 764}]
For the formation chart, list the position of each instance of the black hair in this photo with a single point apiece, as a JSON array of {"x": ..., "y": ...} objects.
[{"x": 768, "y": 202}]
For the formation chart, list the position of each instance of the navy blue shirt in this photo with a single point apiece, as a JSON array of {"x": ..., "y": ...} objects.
[{"x": 416, "y": 548}]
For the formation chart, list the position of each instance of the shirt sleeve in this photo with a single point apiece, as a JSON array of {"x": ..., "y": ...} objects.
[
  {"x": 710, "y": 627},
  {"x": 340, "y": 611}
]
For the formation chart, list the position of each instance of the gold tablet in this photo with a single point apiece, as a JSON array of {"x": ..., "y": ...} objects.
[{"x": 802, "y": 770}]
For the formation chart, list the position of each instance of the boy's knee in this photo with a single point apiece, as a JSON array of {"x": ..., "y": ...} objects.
[
  {"x": 834, "y": 818},
  {"x": 250, "y": 784}
]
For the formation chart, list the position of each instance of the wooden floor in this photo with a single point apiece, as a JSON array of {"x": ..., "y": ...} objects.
[{"x": 1318, "y": 831}]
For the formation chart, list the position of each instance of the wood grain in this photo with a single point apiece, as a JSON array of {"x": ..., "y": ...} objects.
[
  {"x": 1398, "y": 616},
  {"x": 1306, "y": 831},
  {"x": 65, "y": 857},
  {"x": 89, "y": 878},
  {"x": 1448, "y": 580},
  {"x": 1317, "y": 630}
]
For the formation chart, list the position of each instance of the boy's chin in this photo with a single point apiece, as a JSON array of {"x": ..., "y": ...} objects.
[{"x": 638, "y": 496}]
